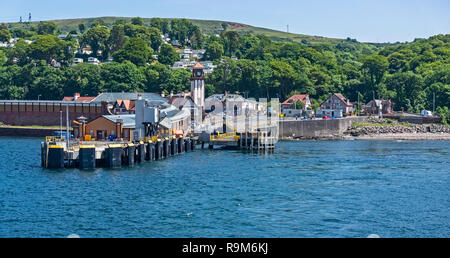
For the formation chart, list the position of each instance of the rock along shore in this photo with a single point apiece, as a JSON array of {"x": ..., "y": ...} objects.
[{"x": 398, "y": 131}]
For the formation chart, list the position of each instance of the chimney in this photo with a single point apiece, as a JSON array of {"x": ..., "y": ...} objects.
[
  {"x": 139, "y": 96},
  {"x": 162, "y": 94},
  {"x": 76, "y": 96},
  {"x": 171, "y": 93},
  {"x": 182, "y": 94}
]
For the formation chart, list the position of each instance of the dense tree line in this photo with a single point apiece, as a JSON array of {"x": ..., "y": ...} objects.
[{"x": 411, "y": 74}]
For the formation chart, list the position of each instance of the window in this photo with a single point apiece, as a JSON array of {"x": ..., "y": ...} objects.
[
  {"x": 113, "y": 133},
  {"x": 126, "y": 133},
  {"x": 91, "y": 132}
]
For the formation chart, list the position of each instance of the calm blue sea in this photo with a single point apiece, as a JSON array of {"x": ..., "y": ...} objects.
[{"x": 304, "y": 189}]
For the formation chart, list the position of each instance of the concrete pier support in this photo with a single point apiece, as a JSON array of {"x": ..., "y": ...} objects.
[
  {"x": 140, "y": 154},
  {"x": 173, "y": 146},
  {"x": 180, "y": 145},
  {"x": 114, "y": 156},
  {"x": 55, "y": 156},
  {"x": 166, "y": 147},
  {"x": 158, "y": 150},
  {"x": 129, "y": 153},
  {"x": 86, "y": 157}
]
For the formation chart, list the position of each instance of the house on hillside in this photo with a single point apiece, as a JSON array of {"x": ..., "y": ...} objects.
[
  {"x": 379, "y": 106},
  {"x": 289, "y": 106},
  {"x": 335, "y": 106},
  {"x": 93, "y": 60}
]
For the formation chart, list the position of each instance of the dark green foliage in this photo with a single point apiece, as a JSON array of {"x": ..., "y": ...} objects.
[
  {"x": 410, "y": 74},
  {"x": 167, "y": 55},
  {"x": 136, "y": 51},
  {"x": 46, "y": 28},
  {"x": 137, "y": 21}
]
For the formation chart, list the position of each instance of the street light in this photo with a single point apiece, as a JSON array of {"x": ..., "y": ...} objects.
[{"x": 39, "y": 96}]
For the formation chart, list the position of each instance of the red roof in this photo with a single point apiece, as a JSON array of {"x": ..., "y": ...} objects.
[
  {"x": 128, "y": 104},
  {"x": 299, "y": 97},
  {"x": 78, "y": 99},
  {"x": 198, "y": 66}
]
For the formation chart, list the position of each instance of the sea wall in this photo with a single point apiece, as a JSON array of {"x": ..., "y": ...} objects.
[
  {"x": 26, "y": 132},
  {"x": 311, "y": 129}
]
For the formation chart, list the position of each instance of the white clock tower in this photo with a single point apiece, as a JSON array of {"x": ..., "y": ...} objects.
[{"x": 198, "y": 85}]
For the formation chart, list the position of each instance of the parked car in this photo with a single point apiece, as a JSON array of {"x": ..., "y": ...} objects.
[
  {"x": 325, "y": 117},
  {"x": 426, "y": 113}
]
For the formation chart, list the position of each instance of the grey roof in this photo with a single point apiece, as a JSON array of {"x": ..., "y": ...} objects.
[
  {"x": 222, "y": 97},
  {"x": 114, "y": 96},
  {"x": 129, "y": 121}
]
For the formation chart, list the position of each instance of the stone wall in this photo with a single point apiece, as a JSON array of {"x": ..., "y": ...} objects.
[{"x": 323, "y": 128}]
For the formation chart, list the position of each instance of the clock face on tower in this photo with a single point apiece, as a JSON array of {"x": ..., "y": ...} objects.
[{"x": 198, "y": 73}]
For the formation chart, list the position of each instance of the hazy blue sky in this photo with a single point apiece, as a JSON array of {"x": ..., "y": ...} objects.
[{"x": 367, "y": 21}]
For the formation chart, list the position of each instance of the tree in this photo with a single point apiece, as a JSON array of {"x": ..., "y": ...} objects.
[
  {"x": 161, "y": 24},
  {"x": 137, "y": 21},
  {"x": 135, "y": 51},
  {"x": 97, "y": 37},
  {"x": 98, "y": 22},
  {"x": 444, "y": 113},
  {"x": 85, "y": 79},
  {"x": 117, "y": 38},
  {"x": 284, "y": 77},
  {"x": 231, "y": 42},
  {"x": 214, "y": 51},
  {"x": 374, "y": 67},
  {"x": 49, "y": 47},
  {"x": 407, "y": 87},
  {"x": 45, "y": 28},
  {"x": 5, "y": 35},
  {"x": 81, "y": 28},
  {"x": 167, "y": 55},
  {"x": 155, "y": 38},
  {"x": 46, "y": 80},
  {"x": 122, "y": 77},
  {"x": 3, "y": 58}
]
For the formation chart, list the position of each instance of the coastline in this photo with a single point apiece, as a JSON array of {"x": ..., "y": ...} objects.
[
  {"x": 381, "y": 136},
  {"x": 402, "y": 136}
]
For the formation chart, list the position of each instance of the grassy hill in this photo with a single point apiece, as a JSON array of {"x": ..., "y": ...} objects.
[{"x": 206, "y": 26}]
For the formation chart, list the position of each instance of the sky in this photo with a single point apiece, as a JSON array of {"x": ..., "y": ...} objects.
[{"x": 364, "y": 20}]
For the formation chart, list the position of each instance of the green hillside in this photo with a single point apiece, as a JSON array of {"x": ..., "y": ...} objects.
[{"x": 206, "y": 26}]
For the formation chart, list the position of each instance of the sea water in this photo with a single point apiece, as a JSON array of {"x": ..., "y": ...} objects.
[{"x": 303, "y": 189}]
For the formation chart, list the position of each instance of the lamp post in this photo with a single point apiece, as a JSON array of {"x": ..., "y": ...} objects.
[
  {"x": 60, "y": 123},
  {"x": 39, "y": 96}
]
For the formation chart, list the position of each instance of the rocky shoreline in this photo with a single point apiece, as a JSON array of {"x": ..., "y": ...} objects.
[{"x": 381, "y": 129}]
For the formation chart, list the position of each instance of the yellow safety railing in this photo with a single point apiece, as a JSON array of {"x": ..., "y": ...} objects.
[
  {"x": 224, "y": 136},
  {"x": 53, "y": 138}
]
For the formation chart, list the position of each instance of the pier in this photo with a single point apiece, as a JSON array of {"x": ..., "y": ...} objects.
[
  {"x": 262, "y": 139},
  {"x": 92, "y": 154}
]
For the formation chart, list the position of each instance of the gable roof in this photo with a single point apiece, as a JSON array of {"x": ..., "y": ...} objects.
[
  {"x": 178, "y": 101},
  {"x": 297, "y": 97},
  {"x": 129, "y": 121},
  {"x": 78, "y": 99},
  {"x": 340, "y": 97},
  {"x": 127, "y": 104},
  {"x": 198, "y": 66},
  {"x": 114, "y": 96}
]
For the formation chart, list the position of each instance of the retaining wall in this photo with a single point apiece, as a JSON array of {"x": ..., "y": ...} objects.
[{"x": 323, "y": 128}]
